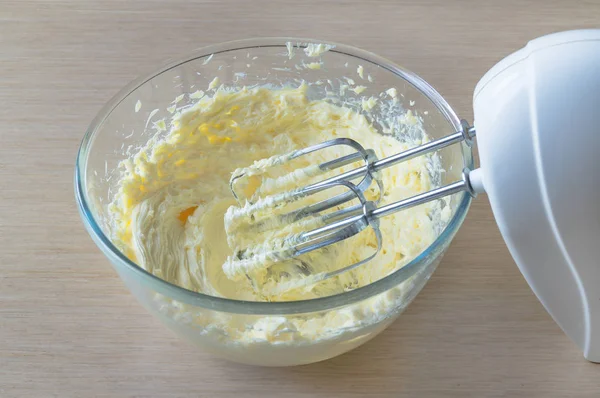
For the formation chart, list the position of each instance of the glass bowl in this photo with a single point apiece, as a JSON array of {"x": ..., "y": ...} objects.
[{"x": 264, "y": 333}]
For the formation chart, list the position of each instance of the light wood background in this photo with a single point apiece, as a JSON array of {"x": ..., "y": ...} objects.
[{"x": 69, "y": 328}]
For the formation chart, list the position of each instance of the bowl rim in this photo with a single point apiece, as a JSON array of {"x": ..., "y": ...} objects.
[{"x": 121, "y": 262}]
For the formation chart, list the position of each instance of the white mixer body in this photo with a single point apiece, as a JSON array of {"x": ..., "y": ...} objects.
[{"x": 537, "y": 116}]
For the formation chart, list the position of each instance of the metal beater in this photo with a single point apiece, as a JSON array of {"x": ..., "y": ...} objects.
[{"x": 341, "y": 224}]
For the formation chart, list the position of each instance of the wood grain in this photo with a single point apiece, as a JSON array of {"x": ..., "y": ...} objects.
[{"x": 69, "y": 328}]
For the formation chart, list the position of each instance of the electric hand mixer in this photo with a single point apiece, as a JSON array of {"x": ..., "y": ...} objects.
[{"x": 537, "y": 116}]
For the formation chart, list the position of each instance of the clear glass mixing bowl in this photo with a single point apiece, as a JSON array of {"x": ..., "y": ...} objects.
[{"x": 263, "y": 333}]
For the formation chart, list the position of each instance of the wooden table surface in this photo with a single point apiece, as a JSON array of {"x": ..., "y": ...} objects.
[{"x": 68, "y": 326}]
